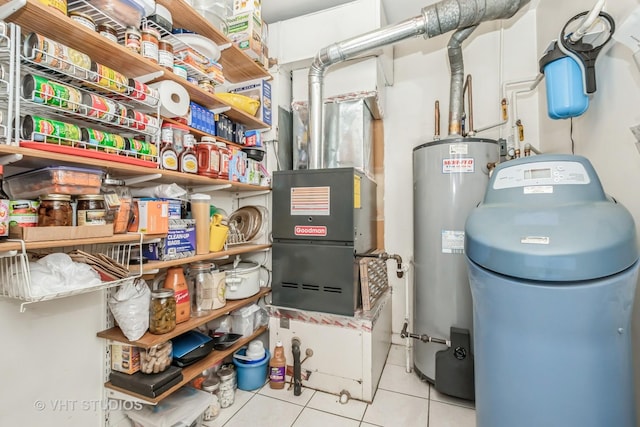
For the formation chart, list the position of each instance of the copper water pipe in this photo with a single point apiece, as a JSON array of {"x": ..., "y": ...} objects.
[
  {"x": 469, "y": 89},
  {"x": 436, "y": 135}
]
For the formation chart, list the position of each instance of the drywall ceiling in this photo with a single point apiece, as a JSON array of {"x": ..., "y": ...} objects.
[{"x": 279, "y": 10}]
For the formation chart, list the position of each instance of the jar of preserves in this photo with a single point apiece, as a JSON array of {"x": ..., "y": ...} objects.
[
  {"x": 162, "y": 311},
  {"x": 165, "y": 54},
  {"x": 227, "y": 389},
  {"x": 83, "y": 19},
  {"x": 149, "y": 46},
  {"x": 208, "y": 157},
  {"x": 91, "y": 210},
  {"x": 212, "y": 385},
  {"x": 132, "y": 39},
  {"x": 109, "y": 32},
  {"x": 55, "y": 210}
]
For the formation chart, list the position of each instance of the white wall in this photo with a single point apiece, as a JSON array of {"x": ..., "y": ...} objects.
[
  {"x": 602, "y": 134},
  {"x": 421, "y": 77},
  {"x": 50, "y": 354}
]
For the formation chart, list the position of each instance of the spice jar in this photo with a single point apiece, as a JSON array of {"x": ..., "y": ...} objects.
[
  {"x": 208, "y": 157},
  {"x": 149, "y": 45},
  {"x": 227, "y": 390},
  {"x": 212, "y": 385},
  {"x": 109, "y": 32},
  {"x": 132, "y": 39},
  {"x": 55, "y": 210},
  {"x": 91, "y": 210},
  {"x": 165, "y": 54},
  {"x": 162, "y": 311}
]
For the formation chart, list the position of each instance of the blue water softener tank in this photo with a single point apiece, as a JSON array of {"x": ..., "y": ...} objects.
[
  {"x": 553, "y": 264},
  {"x": 564, "y": 85}
]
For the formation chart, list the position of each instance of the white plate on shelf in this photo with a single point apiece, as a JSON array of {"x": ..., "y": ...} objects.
[{"x": 200, "y": 43}]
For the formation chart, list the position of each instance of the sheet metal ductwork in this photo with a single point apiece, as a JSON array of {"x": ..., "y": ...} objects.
[{"x": 436, "y": 19}]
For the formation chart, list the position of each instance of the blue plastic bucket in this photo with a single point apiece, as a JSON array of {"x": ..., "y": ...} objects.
[{"x": 251, "y": 375}]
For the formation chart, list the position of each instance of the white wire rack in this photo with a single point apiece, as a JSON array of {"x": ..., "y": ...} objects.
[
  {"x": 8, "y": 32},
  {"x": 15, "y": 271}
]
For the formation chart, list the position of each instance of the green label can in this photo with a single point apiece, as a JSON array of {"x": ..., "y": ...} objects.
[
  {"x": 46, "y": 130},
  {"x": 44, "y": 91}
]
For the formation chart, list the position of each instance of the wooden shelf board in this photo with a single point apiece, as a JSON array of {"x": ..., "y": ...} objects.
[
  {"x": 38, "y": 158},
  {"x": 116, "y": 238},
  {"x": 237, "y": 66},
  {"x": 192, "y": 371},
  {"x": 234, "y": 250},
  {"x": 37, "y": 17},
  {"x": 149, "y": 340}
]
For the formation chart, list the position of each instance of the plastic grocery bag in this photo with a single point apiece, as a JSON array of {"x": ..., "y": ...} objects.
[{"x": 130, "y": 308}]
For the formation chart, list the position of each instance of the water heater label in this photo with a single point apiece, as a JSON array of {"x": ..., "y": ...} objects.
[
  {"x": 458, "y": 149},
  {"x": 458, "y": 165},
  {"x": 310, "y": 230},
  {"x": 452, "y": 242},
  {"x": 311, "y": 201}
]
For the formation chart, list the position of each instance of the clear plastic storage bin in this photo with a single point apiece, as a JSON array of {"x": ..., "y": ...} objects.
[{"x": 54, "y": 180}]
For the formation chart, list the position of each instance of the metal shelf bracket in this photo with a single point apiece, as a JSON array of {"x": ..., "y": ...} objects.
[
  {"x": 142, "y": 178},
  {"x": 208, "y": 188},
  {"x": 145, "y": 78},
  {"x": 10, "y": 8},
  {"x": 10, "y": 158},
  {"x": 252, "y": 194},
  {"x": 220, "y": 110}
]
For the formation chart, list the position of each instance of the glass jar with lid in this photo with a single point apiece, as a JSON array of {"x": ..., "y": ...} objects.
[
  {"x": 91, "y": 210},
  {"x": 162, "y": 311},
  {"x": 202, "y": 287},
  {"x": 212, "y": 385},
  {"x": 55, "y": 211},
  {"x": 227, "y": 390}
]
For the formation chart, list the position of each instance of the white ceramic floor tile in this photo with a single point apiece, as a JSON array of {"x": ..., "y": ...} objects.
[
  {"x": 242, "y": 397},
  {"x": 391, "y": 409},
  {"x": 367, "y": 425},
  {"x": 395, "y": 378},
  {"x": 329, "y": 403},
  {"x": 397, "y": 355},
  {"x": 439, "y": 397},
  {"x": 314, "y": 418},
  {"x": 265, "y": 411},
  {"x": 287, "y": 395},
  {"x": 445, "y": 415}
]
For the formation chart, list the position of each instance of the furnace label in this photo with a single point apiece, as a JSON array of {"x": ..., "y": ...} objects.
[
  {"x": 458, "y": 165},
  {"x": 310, "y": 230},
  {"x": 311, "y": 201}
]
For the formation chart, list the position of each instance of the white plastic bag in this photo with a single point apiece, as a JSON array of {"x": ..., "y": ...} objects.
[{"x": 130, "y": 308}]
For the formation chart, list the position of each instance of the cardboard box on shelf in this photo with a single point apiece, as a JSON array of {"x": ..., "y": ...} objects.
[
  {"x": 41, "y": 234},
  {"x": 179, "y": 243},
  {"x": 125, "y": 358},
  {"x": 151, "y": 216},
  {"x": 245, "y": 30},
  {"x": 259, "y": 90},
  {"x": 247, "y": 6}
]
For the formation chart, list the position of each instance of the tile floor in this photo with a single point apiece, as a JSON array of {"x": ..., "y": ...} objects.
[{"x": 402, "y": 400}]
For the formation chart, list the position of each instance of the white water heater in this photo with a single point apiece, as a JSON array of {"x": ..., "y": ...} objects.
[{"x": 449, "y": 179}]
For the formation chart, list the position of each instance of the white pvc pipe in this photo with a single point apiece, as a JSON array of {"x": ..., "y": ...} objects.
[
  {"x": 587, "y": 22},
  {"x": 408, "y": 347}
]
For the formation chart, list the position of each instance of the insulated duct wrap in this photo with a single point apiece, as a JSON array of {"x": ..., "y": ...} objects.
[{"x": 436, "y": 19}]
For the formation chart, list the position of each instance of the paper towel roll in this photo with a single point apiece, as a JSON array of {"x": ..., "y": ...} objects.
[{"x": 174, "y": 98}]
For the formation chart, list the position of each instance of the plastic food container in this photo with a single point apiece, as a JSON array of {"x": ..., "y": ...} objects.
[
  {"x": 54, "y": 180},
  {"x": 156, "y": 359},
  {"x": 126, "y": 12}
]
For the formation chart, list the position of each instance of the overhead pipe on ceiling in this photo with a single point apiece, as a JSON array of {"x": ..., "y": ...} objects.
[{"x": 436, "y": 19}]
